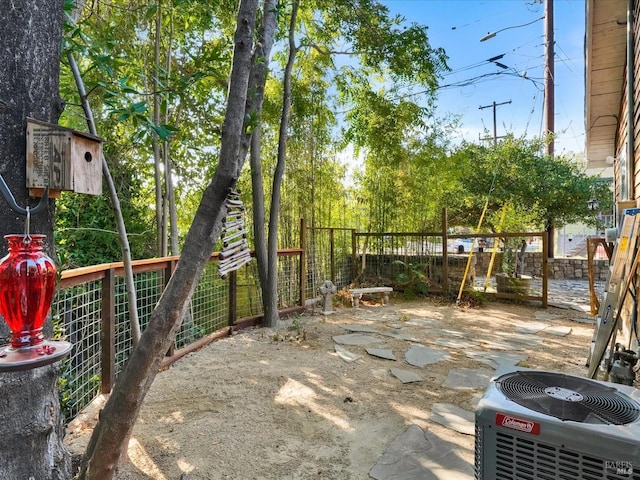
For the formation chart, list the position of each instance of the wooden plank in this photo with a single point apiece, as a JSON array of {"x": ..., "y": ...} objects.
[
  {"x": 86, "y": 157},
  {"x": 48, "y": 157},
  {"x": 621, "y": 273}
]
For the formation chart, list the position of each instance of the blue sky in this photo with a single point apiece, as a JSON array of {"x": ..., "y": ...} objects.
[{"x": 458, "y": 25}]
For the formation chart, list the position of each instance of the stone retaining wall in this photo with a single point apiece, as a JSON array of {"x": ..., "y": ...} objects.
[
  {"x": 384, "y": 269},
  {"x": 558, "y": 268}
]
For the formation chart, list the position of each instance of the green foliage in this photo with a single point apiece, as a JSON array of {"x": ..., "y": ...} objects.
[
  {"x": 540, "y": 191},
  {"x": 113, "y": 45},
  {"x": 85, "y": 231},
  {"x": 412, "y": 281},
  {"x": 392, "y": 167},
  {"x": 513, "y": 248},
  {"x": 472, "y": 298}
]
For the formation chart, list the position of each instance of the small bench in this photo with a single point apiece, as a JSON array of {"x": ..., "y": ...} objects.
[{"x": 356, "y": 294}]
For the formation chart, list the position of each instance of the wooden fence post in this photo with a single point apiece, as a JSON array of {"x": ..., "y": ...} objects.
[
  {"x": 108, "y": 332},
  {"x": 445, "y": 258},
  {"x": 354, "y": 255},
  {"x": 233, "y": 297},
  {"x": 303, "y": 262},
  {"x": 545, "y": 269},
  {"x": 332, "y": 255}
]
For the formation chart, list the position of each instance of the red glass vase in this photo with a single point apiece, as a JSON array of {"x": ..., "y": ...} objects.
[{"x": 27, "y": 282}]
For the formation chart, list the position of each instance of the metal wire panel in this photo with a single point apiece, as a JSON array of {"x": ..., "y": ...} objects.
[
  {"x": 318, "y": 266},
  {"x": 149, "y": 287},
  {"x": 77, "y": 312},
  {"x": 208, "y": 310},
  {"x": 329, "y": 257},
  {"x": 288, "y": 281},
  {"x": 249, "y": 294},
  {"x": 342, "y": 258},
  {"x": 399, "y": 258},
  {"x": 76, "y": 317}
]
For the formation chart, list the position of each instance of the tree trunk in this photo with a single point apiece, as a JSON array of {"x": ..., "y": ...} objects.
[
  {"x": 32, "y": 430},
  {"x": 108, "y": 441},
  {"x": 268, "y": 280},
  {"x": 271, "y": 315},
  {"x": 551, "y": 233},
  {"x": 168, "y": 163},
  {"x": 30, "y": 35},
  {"x": 161, "y": 216},
  {"x": 259, "y": 237}
]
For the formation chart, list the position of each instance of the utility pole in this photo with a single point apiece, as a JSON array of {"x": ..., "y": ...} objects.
[
  {"x": 549, "y": 73},
  {"x": 549, "y": 99},
  {"x": 495, "y": 126}
]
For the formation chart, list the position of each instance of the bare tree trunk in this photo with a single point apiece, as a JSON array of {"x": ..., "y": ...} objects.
[
  {"x": 259, "y": 234},
  {"x": 268, "y": 282},
  {"x": 171, "y": 197},
  {"x": 168, "y": 169},
  {"x": 132, "y": 300},
  {"x": 551, "y": 235},
  {"x": 108, "y": 441},
  {"x": 30, "y": 35},
  {"x": 32, "y": 430},
  {"x": 259, "y": 71},
  {"x": 161, "y": 218}
]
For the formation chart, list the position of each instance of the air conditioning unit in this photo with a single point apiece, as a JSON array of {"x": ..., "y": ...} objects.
[{"x": 536, "y": 425}]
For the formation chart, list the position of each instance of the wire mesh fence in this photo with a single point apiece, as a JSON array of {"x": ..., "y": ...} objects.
[
  {"x": 329, "y": 256},
  {"x": 208, "y": 310},
  {"x": 79, "y": 312},
  {"x": 76, "y": 313},
  {"x": 410, "y": 262},
  {"x": 288, "y": 281},
  {"x": 399, "y": 259},
  {"x": 419, "y": 263}
]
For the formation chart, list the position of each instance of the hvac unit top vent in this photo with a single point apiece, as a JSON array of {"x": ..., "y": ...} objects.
[
  {"x": 569, "y": 398},
  {"x": 547, "y": 426}
]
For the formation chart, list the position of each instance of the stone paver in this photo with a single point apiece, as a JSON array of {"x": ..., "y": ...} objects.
[
  {"x": 406, "y": 376},
  {"x": 468, "y": 379},
  {"x": 570, "y": 294},
  {"x": 346, "y": 355},
  {"x": 421, "y": 455},
  {"x": 495, "y": 359},
  {"x": 531, "y": 327},
  {"x": 558, "y": 330},
  {"x": 454, "y": 343},
  {"x": 355, "y": 339},
  {"x": 419, "y": 356},
  {"x": 402, "y": 336},
  {"x": 385, "y": 353},
  {"x": 454, "y": 417}
]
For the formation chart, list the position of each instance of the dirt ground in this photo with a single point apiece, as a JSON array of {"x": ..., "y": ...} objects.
[{"x": 282, "y": 404}]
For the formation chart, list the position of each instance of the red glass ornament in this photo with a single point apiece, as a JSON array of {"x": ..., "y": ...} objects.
[{"x": 27, "y": 282}]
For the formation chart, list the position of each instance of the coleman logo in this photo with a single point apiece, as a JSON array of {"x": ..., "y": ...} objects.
[{"x": 526, "y": 426}]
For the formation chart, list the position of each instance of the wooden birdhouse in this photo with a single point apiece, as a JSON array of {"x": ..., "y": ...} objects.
[{"x": 62, "y": 159}]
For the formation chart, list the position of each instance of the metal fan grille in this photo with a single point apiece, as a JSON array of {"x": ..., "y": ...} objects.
[{"x": 569, "y": 398}]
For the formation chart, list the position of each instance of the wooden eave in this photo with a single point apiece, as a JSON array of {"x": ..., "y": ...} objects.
[{"x": 605, "y": 60}]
